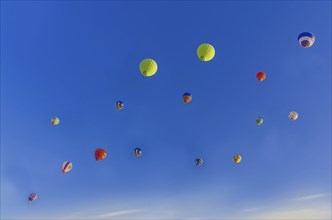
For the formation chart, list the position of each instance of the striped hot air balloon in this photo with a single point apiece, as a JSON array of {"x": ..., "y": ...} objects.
[
  {"x": 293, "y": 116},
  {"x": 66, "y": 166},
  {"x": 32, "y": 197},
  {"x": 138, "y": 152},
  {"x": 119, "y": 105},
  {"x": 306, "y": 39},
  {"x": 199, "y": 162}
]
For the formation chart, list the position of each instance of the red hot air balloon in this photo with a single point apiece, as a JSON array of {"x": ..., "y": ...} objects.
[
  {"x": 260, "y": 76},
  {"x": 100, "y": 154}
]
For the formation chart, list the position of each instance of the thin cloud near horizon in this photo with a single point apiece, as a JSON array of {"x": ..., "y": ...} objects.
[{"x": 311, "y": 197}]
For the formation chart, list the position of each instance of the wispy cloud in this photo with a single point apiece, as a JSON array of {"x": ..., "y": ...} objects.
[
  {"x": 298, "y": 214},
  {"x": 118, "y": 213},
  {"x": 282, "y": 208},
  {"x": 94, "y": 213},
  {"x": 316, "y": 209},
  {"x": 311, "y": 197}
]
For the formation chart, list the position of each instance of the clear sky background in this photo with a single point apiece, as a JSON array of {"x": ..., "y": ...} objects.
[{"x": 75, "y": 59}]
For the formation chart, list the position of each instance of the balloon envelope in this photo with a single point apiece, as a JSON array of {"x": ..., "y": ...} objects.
[
  {"x": 306, "y": 39},
  {"x": 55, "y": 121},
  {"x": 187, "y": 97},
  {"x": 205, "y": 52},
  {"x": 199, "y": 162},
  {"x": 260, "y": 76},
  {"x": 259, "y": 121},
  {"x": 293, "y": 116},
  {"x": 148, "y": 67},
  {"x": 66, "y": 166},
  {"x": 100, "y": 154},
  {"x": 138, "y": 152},
  {"x": 32, "y": 197},
  {"x": 237, "y": 158},
  {"x": 119, "y": 105}
]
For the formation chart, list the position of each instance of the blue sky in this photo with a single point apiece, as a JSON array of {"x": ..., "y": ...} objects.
[{"x": 75, "y": 59}]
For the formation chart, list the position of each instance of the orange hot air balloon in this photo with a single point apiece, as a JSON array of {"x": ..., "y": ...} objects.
[
  {"x": 100, "y": 154},
  {"x": 187, "y": 97},
  {"x": 260, "y": 76}
]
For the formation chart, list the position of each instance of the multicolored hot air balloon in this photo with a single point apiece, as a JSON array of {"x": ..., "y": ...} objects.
[
  {"x": 237, "y": 158},
  {"x": 199, "y": 162},
  {"x": 259, "y": 121},
  {"x": 100, "y": 154},
  {"x": 293, "y": 116},
  {"x": 138, "y": 152},
  {"x": 148, "y": 67},
  {"x": 187, "y": 97},
  {"x": 260, "y": 76},
  {"x": 55, "y": 121},
  {"x": 306, "y": 39},
  {"x": 205, "y": 52},
  {"x": 32, "y": 197},
  {"x": 66, "y": 166},
  {"x": 119, "y": 105}
]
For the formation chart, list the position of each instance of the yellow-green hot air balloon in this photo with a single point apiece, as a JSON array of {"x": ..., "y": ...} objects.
[
  {"x": 148, "y": 67},
  {"x": 237, "y": 158},
  {"x": 205, "y": 52},
  {"x": 55, "y": 121},
  {"x": 259, "y": 120}
]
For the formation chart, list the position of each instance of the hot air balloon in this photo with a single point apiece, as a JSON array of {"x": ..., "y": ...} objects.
[
  {"x": 148, "y": 67},
  {"x": 293, "y": 116},
  {"x": 306, "y": 39},
  {"x": 55, "y": 121},
  {"x": 259, "y": 121},
  {"x": 119, "y": 105},
  {"x": 205, "y": 52},
  {"x": 138, "y": 152},
  {"x": 187, "y": 97},
  {"x": 100, "y": 154},
  {"x": 32, "y": 197},
  {"x": 66, "y": 166},
  {"x": 199, "y": 162},
  {"x": 260, "y": 76},
  {"x": 237, "y": 158}
]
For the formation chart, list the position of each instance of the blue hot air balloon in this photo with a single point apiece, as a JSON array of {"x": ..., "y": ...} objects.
[{"x": 306, "y": 39}]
